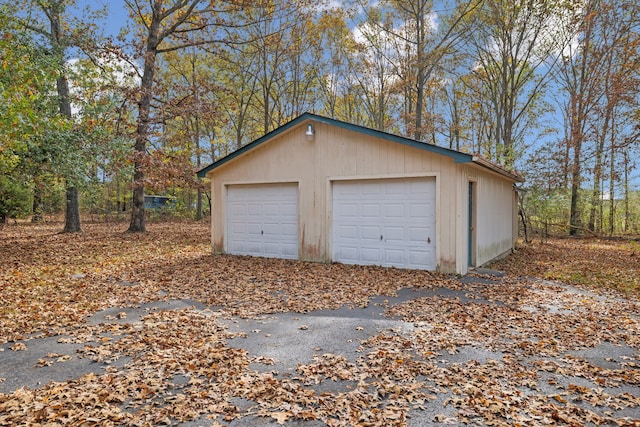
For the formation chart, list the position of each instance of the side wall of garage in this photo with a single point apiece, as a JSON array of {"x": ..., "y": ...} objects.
[
  {"x": 495, "y": 225},
  {"x": 493, "y": 216},
  {"x": 335, "y": 154}
]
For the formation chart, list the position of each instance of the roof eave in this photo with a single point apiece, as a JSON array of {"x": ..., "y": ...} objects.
[{"x": 497, "y": 169}]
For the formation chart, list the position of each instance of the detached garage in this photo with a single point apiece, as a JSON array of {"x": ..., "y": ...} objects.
[{"x": 319, "y": 189}]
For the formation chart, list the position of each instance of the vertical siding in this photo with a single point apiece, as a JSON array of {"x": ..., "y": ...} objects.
[
  {"x": 463, "y": 177},
  {"x": 335, "y": 154},
  {"x": 494, "y": 217}
]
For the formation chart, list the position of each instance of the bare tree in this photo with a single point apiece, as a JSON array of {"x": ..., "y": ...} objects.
[
  {"x": 619, "y": 65},
  {"x": 590, "y": 75},
  {"x": 422, "y": 47},
  {"x": 514, "y": 46}
]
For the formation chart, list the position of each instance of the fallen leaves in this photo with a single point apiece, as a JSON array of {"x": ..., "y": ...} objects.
[
  {"x": 53, "y": 281},
  {"x": 19, "y": 346},
  {"x": 161, "y": 349},
  {"x": 503, "y": 353},
  {"x": 598, "y": 264},
  {"x": 50, "y": 358}
]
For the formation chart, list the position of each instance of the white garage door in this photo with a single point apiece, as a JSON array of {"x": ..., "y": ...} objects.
[
  {"x": 388, "y": 222},
  {"x": 262, "y": 220}
]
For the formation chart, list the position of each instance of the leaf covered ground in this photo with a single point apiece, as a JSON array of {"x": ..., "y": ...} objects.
[
  {"x": 595, "y": 263},
  {"x": 479, "y": 350}
]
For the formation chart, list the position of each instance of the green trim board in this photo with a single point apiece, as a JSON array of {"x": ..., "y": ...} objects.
[{"x": 458, "y": 156}]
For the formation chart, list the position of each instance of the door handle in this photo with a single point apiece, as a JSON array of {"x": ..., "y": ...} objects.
[{"x": 381, "y": 237}]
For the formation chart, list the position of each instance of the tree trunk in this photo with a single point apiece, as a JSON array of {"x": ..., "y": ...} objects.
[
  {"x": 612, "y": 181},
  {"x": 38, "y": 203},
  {"x": 576, "y": 140},
  {"x": 198, "y": 164},
  {"x": 626, "y": 192},
  {"x": 596, "y": 197},
  {"x": 421, "y": 77},
  {"x": 419, "y": 101},
  {"x": 138, "y": 221},
  {"x": 144, "y": 115},
  {"x": 118, "y": 197},
  {"x": 199, "y": 203},
  {"x": 72, "y": 210},
  {"x": 574, "y": 220},
  {"x": 72, "y": 213}
]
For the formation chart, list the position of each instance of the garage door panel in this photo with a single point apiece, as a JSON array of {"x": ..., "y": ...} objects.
[
  {"x": 236, "y": 246},
  {"x": 271, "y": 209},
  {"x": 252, "y": 247},
  {"x": 254, "y": 209},
  {"x": 236, "y": 209},
  {"x": 348, "y": 253},
  {"x": 394, "y": 210},
  {"x": 371, "y": 190},
  {"x": 369, "y": 232},
  {"x": 419, "y": 235},
  {"x": 272, "y": 249},
  {"x": 347, "y": 232},
  {"x": 420, "y": 210},
  {"x": 289, "y": 210},
  {"x": 348, "y": 209},
  {"x": 271, "y": 230},
  {"x": 394, "y": 234},
  {"x": 253, "y": 229},
  {"x": 290, "y": 251},
  {"x": 394, "y": 256},
  {"x": 370, "y": 255},
  {"x": 416, "y": 187},
  {"x": 370, "y": 210},
  {"x": 262, "y": 220},
  {"x": 402, "y": 211},
  {"x": 238, "y": 227},
  {"x": 346, "y": 193},
  {"x": 418, "y": 257},
  {"x": 290, "y": 230}
]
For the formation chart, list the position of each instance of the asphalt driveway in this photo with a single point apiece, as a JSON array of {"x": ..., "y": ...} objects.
[{"x": 476, "y": 354}]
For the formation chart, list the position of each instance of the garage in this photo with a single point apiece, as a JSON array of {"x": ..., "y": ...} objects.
[
  {"x": 358, "y": 195},
  {"x": 262, "y": 220},
  {"x": 387, "y": 222}
]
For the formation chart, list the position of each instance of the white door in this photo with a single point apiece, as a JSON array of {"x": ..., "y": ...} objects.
[
  {"x": 262, "y": 220},
  {"x": 388, "y": 222}
]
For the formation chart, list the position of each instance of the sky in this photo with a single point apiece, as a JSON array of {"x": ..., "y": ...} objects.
[{"x": 117, "y": 13}]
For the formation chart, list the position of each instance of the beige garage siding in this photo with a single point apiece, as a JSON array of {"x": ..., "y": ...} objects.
[
  {"x": 338, "y": 153},
  {"x": 495, "y": 233},
  {"x": 493, "y": 223}
]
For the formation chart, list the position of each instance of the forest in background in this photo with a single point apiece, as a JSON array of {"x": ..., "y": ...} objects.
[{"x": 91, "y": 121}]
